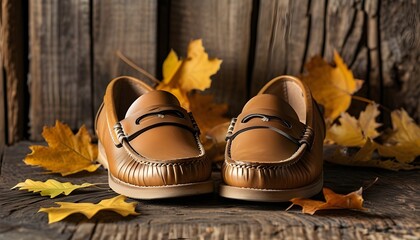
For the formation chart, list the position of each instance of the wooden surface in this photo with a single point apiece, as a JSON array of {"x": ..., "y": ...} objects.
[
  {"x": 60, "y": 67},
  {"x": 399, "y": 36},
  {"x": 13, "y": 46},
  {"x": 128, "y": 27},
  {"x": 393, "y": 210},
  {"x": 2, "y": 103},
  {"x": 291, "y": 32},
  {"x": 224, "y": 27}
]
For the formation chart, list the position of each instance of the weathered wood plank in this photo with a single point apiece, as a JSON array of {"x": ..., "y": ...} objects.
[
  {"x": 270, "y": 54},
  {"x": 13, "y": 45},
  {"x": 374, "y": 76},
  {"x": 2, "y": 103},
  {"x": 60, "y": 69},
  {"x": 391, "y": 210},
  {"x": 224, "y": 27},
  {"x": 399, "y": 41},
  {"x": 126, "y": 26},
  {"x": 291, "y": 32}
]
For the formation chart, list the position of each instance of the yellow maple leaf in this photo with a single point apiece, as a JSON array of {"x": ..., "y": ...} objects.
[
  {"x": 404, "y": 143},
  {"x": 355, "y": 132},
  {"x": 353, "y": 200},
  {"x": 215, "y": 142},
  {"x": 331, "y": 86},
  {"x": 116, "y": 204},
  {"x": 50, "y": 187},
  {"x": 206, "y": 112},
  {"x": 66, "y": 153},
  {"x": 182, "y": 76},
  {"x": 364, "y": 157}
]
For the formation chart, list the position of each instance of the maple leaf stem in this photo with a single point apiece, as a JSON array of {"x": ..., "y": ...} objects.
[
  {"x": 95, "y": 185},
  {"x": 371, "y": 183},
  {"x": 362, "y": 99},
  {"x": 288, "y": 208},
  {"x": 130, "y": 63}
]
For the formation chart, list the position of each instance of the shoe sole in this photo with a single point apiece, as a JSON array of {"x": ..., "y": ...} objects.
[
  {"x": 270, "y": 195},
  {"x": 153, "y": 192}
]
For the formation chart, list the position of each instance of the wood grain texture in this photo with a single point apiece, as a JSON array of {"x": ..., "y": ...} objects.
[
  {"x": 392, "y": 210},
  {"x": 291, "y": 32},
  {"x": 60, "y": 83},
  {"x": 224, "y": 27},
  {"x": 126, "y": 26},
  {"x": 374, "y": 76},
  {"x": 13, "y": 62},
  {"x": 399, "y": 39},
  {"x": 2, "y": 103}
]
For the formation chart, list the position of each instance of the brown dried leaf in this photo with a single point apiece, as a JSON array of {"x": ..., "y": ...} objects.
[
  {"x": 66, "y": 153},
  {"x": 353, "y": 200},
  {"x": 331, "y": 86}
]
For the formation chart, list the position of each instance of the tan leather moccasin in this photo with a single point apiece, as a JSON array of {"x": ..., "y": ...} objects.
[
  {"x": 149, "y": 143},
  {"x": 274, "y": 147}
]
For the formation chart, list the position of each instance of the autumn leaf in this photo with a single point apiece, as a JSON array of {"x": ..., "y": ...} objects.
[
  {"x": 347, "y": 133},
  {"x": 50, "y": 187},
  {"x": 116, "y": 204},
  {"x": 363, "y": 157},
  {"x": 66, "y": 153},
  {"x": 404, "y": 143},
  {"x": 215, "y": 142},
  {"x": 353, "y": 200},
  {"x": 355, "y": 132},
  {"x": 212, "y": 122},
  {"x": 331, "y": 86},
  {"x": 193, "y": 73},
  {"x": 206, "y": 112}
]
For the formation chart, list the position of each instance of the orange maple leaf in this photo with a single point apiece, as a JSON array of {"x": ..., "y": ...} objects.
[
  {"x": 210, "y": 117},
  {"x": 353, "y": 200},
  {"x": 66, "y": 153},
  {"x": 331, "y": 86}
]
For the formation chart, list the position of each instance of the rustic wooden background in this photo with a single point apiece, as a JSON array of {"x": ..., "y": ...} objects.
[{"x": 58, "y": 56}]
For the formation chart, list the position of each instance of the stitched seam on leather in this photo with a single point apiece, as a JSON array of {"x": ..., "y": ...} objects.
[
  {"x": 312, "y": 183},
  {"x": 280, "y": 165},
  {"x": 285, "y": 92},
  {"x": 140, "y": 186},
  {"x": 145, "y": 162}
]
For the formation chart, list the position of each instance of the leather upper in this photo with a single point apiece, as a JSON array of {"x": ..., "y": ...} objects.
[
  {"x": 148, "y": 138},
  {"x": 276, "y": 142}
]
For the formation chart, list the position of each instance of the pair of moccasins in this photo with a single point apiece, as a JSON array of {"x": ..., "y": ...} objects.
[{"x": 151, "y": 146}]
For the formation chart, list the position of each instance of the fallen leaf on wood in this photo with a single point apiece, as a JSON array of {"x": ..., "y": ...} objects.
[
  {"x": 353, "y": 200},
  {"x": 116, "y": 204},
  {"x": 355, "y": 132},
  {"x": 207, "y": 113},
  {"x": 404, "y": 143},
  {"x": 66, "y": 153},
  {"x": 331, "y": 86},
  {"x": 363, "y": 157},
  {"x": 50, "y": 187},
  {"x": 182, "y": 76}
]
